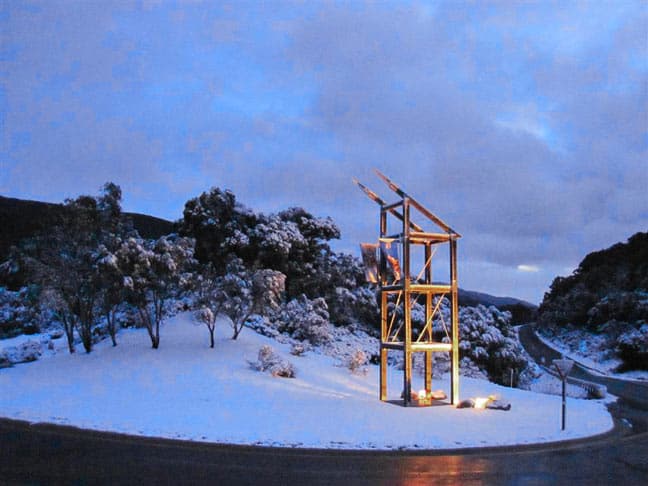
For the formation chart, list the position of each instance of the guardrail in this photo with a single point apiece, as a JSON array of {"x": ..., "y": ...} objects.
[{"x": 594, "y": 390}]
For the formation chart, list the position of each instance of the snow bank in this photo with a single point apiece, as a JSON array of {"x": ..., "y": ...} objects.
[
  {"x": 591, "y": 354},
  {"x": 187, "y": 390}
]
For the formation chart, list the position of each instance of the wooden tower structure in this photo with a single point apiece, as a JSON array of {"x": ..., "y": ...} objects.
[{"x": 399, "y": 290}]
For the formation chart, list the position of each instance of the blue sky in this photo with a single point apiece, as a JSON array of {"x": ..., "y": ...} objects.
[{"x": 522, "y": 124}]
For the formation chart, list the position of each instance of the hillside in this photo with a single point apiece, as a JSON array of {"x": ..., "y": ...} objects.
[
  {"x": 605, "y": 303},
  {"x": 186, "y": 390},
  {"x": 21, "y": 219}
]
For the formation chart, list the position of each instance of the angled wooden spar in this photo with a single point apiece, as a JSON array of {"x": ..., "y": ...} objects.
[
  {"x": 415, "y": 203},
  {"x": 374, "y": 197}
]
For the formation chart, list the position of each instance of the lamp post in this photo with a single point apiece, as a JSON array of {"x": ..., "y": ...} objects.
[{"x": 563, "y": 366}]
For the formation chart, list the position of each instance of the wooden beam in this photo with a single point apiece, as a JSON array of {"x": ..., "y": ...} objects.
[
  {"x": 383, "y": 350},
  {"x": 454, "y": 380},
  {"x": 426, "y": 212},
  {"x": 418, "y": 347},
  {"x": 377, "y": 199},
  {"x": 431, "y": 237},
  {"x": 407, "y": 306}
]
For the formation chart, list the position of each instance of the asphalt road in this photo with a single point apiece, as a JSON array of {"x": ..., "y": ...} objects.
[
  {"x": 633, "y": 392},
  {"x": 49, "y": 454}
]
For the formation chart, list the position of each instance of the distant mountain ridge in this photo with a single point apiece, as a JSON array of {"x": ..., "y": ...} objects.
[
  {"x": 521, "y": 310},
  {"x": 21, "y": 218},
  {"x": 469, "y": 296}
]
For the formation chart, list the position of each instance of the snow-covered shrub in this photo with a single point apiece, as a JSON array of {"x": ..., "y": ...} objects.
[
  {"x": 269, "y": 360},
  {"x": 487, "y": 341},
  {"x": 298, "y": 349},
  {"x": 353, "y": 305},
  {"x": 305, "y": 319},
  {"x": 24, "y": 352},
  {"x": 262, "y": 325},
  {"x": 19, "y": 312},
  {"x": 5, "y": 362},
  {"x": 357, "y": 362},
  {"x": 632, "y": 347},
  {"x": 29, "y": 351}
]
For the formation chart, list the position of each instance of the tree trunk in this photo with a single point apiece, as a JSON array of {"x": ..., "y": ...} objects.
[
  {"x": 238, "y": 327},
  {"x": 211, "y": 337},
  {"x": 86, "y": 338},
  {"x": 146, "y": 320},
  {"x": 156, "y": 343},
  {"x": 69, "y": 332},
  {"x": 110, "y": 318}
]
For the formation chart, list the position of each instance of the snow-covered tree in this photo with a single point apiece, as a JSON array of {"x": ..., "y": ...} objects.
[
  {"x": 207, "y": 317},
  {"x": 220, "y": 226},
  {"x": 239, "y": 293},
  {"x": 153, "y": 272},
  {"x": 235, "y": 296},
  {"x": 111, "y": 283},
  {"x": 64, "y": 259}
]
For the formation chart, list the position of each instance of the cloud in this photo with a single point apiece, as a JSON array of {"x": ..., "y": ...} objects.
[
  {"x": 528, "y": 268},
  {"x": 521, "y": 124}
]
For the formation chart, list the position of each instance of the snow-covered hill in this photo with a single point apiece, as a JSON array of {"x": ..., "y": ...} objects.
[{"x": 187, "y": 390}]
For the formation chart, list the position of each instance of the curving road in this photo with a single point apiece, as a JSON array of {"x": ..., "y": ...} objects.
[
  {"x": 633, "y": 392},
  {"x": 50, "y": 454}
]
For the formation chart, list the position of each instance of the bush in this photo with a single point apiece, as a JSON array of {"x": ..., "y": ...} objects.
[
  {"x": 357, "y": 363},
  {"x": 19, "y": 313},
  {"x": 297, "y": 349},
  {"x": 354, "y": 305},
  {"x": 305, "y": 319},
  {"x": 632, "y": 348},
  {"x": 487, "y": 341},
  {"x": 268, "y": 360}
]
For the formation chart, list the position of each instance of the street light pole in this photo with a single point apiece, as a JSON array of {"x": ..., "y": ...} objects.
[
  {"x": 564, "y": 404},
  {"x": 563, "y": 366}
]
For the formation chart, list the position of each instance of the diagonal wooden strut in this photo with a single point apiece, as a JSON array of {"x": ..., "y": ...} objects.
[
  {"x": 377, "y": 199},
  {"x": 415, "y": 203}
]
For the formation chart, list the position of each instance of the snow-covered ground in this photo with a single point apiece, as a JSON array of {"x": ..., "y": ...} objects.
[
  {"x": 587, "y": 350},
  {"x": 187, "y": 390}
]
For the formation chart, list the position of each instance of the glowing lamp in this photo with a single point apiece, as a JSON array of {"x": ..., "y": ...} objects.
[{"x": 481, "y": 402}]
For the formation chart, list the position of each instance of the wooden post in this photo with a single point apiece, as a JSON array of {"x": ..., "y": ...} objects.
[
  {"x": 428, "y": 315},
  {"x": 407, "y": 304},
  {"x": 383, "y": 350},
  {"x": 454, "y": 382},
  {"x": 383, "y": 310}
]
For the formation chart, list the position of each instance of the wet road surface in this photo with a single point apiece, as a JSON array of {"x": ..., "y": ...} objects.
[{"x": 47, "y": 454}]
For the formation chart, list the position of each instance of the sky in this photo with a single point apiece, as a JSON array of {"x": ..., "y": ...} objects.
[{"x": 524, "y": 125}]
